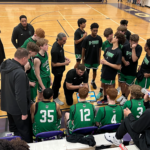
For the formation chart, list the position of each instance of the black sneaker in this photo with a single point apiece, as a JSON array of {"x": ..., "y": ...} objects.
[{"x": 94, "y": 85}]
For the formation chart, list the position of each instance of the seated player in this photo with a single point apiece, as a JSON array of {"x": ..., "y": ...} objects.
[
  {"x": 29, "y": 69},
  {"x": 143, "y": 76},
  {"x": 136, "y": 104},
  {"x": 81, "y": 114},
  {"x": 46, "y": 114},
  {"x": 112, "y": 113}
]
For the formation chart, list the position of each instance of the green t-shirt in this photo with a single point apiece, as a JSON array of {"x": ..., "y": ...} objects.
[
  {"x": 45, "y": 118},
  {"x": 44, "y": 67},
  {"x": 83, "y": 115},
  {"x": 106, "y": 44},
  {"x": 136, "y": 106},
  {"x": 110, "y": 114},
  {"x": 27, "y": 41}
]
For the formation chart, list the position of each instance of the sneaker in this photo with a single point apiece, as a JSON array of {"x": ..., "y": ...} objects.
[
  {"x": 102, "y": 102},
  {"x": 94, "y": 85},
  {"x": 123, "y": 101},
  {"x": 119, "y": 90},
  {"x": 99, "y": 95},
  {"x": 120, "y": 98},
  {"x": 57, "y": 100},
  {"x": 112, "y": 138}
]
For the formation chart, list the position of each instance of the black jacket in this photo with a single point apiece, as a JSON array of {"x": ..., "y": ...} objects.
[
  {"x": 20, "y": 34},
  {"x": 2, "y": 53},
  {"x": 15, "y": 90}
]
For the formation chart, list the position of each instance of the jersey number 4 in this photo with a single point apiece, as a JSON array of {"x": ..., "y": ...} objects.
[
  {"x": 84, "y": 117},
  {"x": 113, "y": 120},
  {"x": 44, "y": 118}
]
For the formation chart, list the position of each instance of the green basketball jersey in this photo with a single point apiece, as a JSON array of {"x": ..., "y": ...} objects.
[
  {"x": 109, "y": 115},
  {"x": 83, "y": 115},
  {"x": 27, "y": 41},
  {"x": 31, "y": 72},
  {"x": 45, "y": 118},
  {"x": 136, "y": 106},
  {"x": 44, "y": 67}
]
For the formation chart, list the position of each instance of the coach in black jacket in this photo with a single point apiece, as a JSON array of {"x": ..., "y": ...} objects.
[
  {"x": 22, "y": 32},
  {"x": 15, "y": 95}
]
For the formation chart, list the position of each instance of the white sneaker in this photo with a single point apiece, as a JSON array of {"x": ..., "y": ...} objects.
[
  {"x": 123, "y": 101},
  {"x": 120, "y": 98},
  {"x": 119, "y": 90},
  {"x": 57, "y": 100},
  {"x": 112, "y": 138}
]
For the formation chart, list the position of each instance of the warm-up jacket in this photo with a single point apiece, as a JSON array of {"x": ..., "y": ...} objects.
[{"x": 2, "y": 53}]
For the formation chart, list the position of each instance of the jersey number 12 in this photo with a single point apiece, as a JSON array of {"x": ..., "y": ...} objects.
[{"x": 86, "y": 115}]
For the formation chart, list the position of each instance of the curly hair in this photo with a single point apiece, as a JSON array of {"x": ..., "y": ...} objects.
[
  {"x": 5, "y": 145},
  {"x": 121, "y": 38},
  {"x": 136, "y": 91}
]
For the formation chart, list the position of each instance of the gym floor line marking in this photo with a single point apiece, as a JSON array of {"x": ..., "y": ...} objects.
[
  {"x": 110, "y": 19},
  {"x": 62, "y": 27}
]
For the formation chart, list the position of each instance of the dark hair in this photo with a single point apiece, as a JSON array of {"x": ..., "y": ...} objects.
[
  {"x": 148, "y": 43},
  {"x": 21, "y": 53},
  {"x": 122, "y": 28},
  {"x": 6, "y": 145},
  {"x": 124, "y": 22},
  {"x": 121, "y": 38},
  {"x": 107, "y": 32},
  {"x": 33, "y": 47},
  {"x": 83, "y": 92},
  {"x": 48, "y": 93},
  {"x": 94, "y": 25},
  {"x": 22, "y": 16},
  {"x": 80, "y": 21},
  {"x": 134, "y": 37},
  {"x": 81, "y": 67}
]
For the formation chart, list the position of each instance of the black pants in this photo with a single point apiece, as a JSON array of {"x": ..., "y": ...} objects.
[
  {"x": 21, "y": 127},
  {"x": 124, "y": 128},
  {"x": 56, "y": 84}
]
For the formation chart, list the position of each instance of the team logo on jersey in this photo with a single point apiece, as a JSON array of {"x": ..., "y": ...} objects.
[
  {"x": 146, "y": 61},
  {"x": 84, "y": 105},
  {"x": 114, "y": 110},
  {"x": 109, "y": 54},
  {"x": 94, "y": 42},
  {"x": 30, "y": 32},
  {"x": 46, "y": 106},
  {"x": 139, "y": 103},
  {"x": 129, "y": 54}
]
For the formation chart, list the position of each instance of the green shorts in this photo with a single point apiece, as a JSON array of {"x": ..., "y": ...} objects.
[
  {"x": 93, "y": 66},
  {"x": 129, "y": 80},
  {"x": 70, "y": 126},
  {"x": 118, "y": 72},
  {"x": 46, "y": 82},
  {"x": 108, "y": 82},
  {"x": 145, "y": 83},
  {"x": 78, "y": 56},
  {"x": 33, "y": 92}
]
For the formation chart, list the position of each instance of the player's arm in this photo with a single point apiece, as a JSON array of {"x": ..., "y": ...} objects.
[
  {"x": 77, "y": 40},
  {"x": 58, "y": 111},
  {"x": 99, "y": 55},
  {"x": 134, "y": 56},
  {"x": 83, "y": 55},
  {"x": 99, "y": 116},
  {"x": 32, "y": 111},
  {"x": 37, "y": 64},
  {"x": 72, "y": 87}
]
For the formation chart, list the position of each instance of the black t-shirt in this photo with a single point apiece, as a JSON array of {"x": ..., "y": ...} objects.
[
  {"x": 127, "y": 54},
  {"x": 145, "y": 67},
  {"x": 113, "y": 57},
  {"x": 75, "y": 79},
  {"x": 78, "y": 35},
  {"x": 92, "y": 46},
  {"x": 126, "y": 42},
  {"x": 57, "y": 56},
  {"x": 128, "y": 33}
]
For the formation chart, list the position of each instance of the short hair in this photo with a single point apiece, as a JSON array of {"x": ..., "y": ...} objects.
[
  {"x": 136, "y": 91},
  {"x": 60, "y": 36},
  {"x": 19, "y": 144},
  {"x": 40, "y": 33},
  {"x": 122, "y": 28},
  {"x": 94, "y": 25},
  {"x": 124, "y": 22},
  {"x": 5, "y": 145},
  {"x": 121, "y": 38},
  {"x": 148, "y": 43},
  {"x": 33, "y": 47},
  {"x": 134, "y": 37},
  {"x": 80, "y": 21},
  {"x": 41, "y": 42},
  {"x": 112, "y": 93},
  {"x": 81, "y": 67},
  {"x": 107, "y": 32},
  {"x": 83, "y": 92},
  {"x": 22, "y": 16},
  {"x": 48, "y": 93},
  {"x": 21, "y": 53}
]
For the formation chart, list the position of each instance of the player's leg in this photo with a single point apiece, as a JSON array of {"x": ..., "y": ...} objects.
[
  {"x": 33, "y": 92},
  {"x": 119, "y": 84},
  {"x": 94, "y": 77},
  {"x": 78, "y": 60},
  {"x": 100, "y": 93},
  {"x": 68, "y": 123},
  {"x": 66, "y": 118}
]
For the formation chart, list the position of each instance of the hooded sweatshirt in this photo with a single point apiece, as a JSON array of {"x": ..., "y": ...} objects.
[
  {"x": 20, "y": 34},
  {"x": 15, "y": 90}
]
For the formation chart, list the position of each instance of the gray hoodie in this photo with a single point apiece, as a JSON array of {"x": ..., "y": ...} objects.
[{"x": 15, "y": 90}]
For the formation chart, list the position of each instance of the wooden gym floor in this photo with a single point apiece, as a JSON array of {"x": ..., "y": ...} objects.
[{"x": 62, "y": 17}]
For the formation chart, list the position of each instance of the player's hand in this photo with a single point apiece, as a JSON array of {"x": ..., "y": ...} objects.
[
  {"x": 146, "y": 98},
  {"x": 85, "y": 34},
  {"x": 127, "y": 63},
  {"x": 146, "y": 75},
  {"x": 127, "y": 112},
  {"x": 67, "y": 62},
  {"x": 139, "y": 68},
  {"x": 103, "y": 61},
  {"x": 24, "y": 117},
  {"x": 134, "y": 46},
  {"x": 32, "y": 84},
  {"x": 43, "y": 88}
]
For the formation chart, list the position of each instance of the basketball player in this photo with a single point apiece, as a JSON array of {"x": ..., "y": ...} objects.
[
  {"x": 42, "y": 69},
  {"x": 91, "y": 52},
  {"x": 29, "y": 69},
  {"x": 79, "y": 36},
  {"x": 39, "y": 33},
  {"x": 112, "y": 113},
  {"x": 46, "y": 114},
  {"x": 81, "y": 114}
]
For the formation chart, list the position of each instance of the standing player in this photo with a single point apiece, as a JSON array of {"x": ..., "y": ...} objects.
[
  {"x": 112, "y": 113},
  {"x": 29, "y": 68},
  {"x": 42, "y": 69},
  {"x": 79, "y": 36},
  {"x": 81, "y": 114},
  {"x": 136, "y": 104},
  {"x": 111, "y": 64},
  {"x": 91, "y": 52},
  {"x": 143, "y": 76},
  {"x": 130, "y": 56},
  {"x": 46, "y": 114}
]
